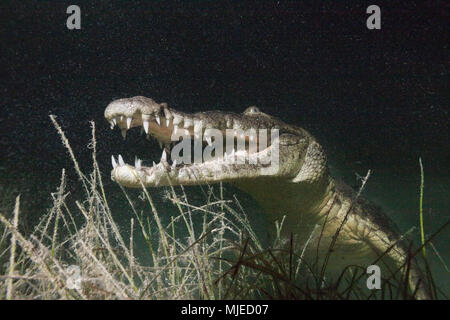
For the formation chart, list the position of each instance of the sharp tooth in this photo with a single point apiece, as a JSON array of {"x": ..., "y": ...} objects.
[
  {"x": 175, "y": 129},
  {"x": 124, "y": 133},
  {"x": 167, "y": 113},
  {"x": 167, "y": 122},
  {"x": 177, "y": 119},
  {"x": 160, "y": 144},
  {"x": 146, "y": 124},
  {"x": 137, "y": 163},
  {"x": 154, "y": 164},
  {"x": 129, "y": 122},
  {"x": 251, "y": 138},
  {"x": 174, "y": 164},
  {"x": 164, "y": 156},
  {"x": 113, "y": 123},
  {"x": 121, "y": 118},
  {"x": 208, "y": 139},
  {"x": 114, "y": 163},
  {"x": 121, "y": 162},
  {"x": 158, "y": 120}
]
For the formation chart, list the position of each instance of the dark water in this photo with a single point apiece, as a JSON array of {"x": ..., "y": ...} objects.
[{"x": 375, "y": 99}]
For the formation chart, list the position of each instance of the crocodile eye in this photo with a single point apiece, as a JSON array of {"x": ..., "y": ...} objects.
[{"x": 252, "y": 109}]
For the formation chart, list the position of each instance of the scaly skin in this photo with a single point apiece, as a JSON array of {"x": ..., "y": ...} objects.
[{"x": 301, "y": 188}]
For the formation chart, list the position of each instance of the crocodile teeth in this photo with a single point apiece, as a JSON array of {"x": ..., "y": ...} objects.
[
  {"x": 121, "y": 162},
  {"x": 208, "y": 139},
  {"x": 167, "y": 122},
  {"x": 124, "y": 133},
  {"x": 164, "y": 156},
  {"x": 174, "y": 164},
  {"x": 146, "y": 123},
  {"x": 137, "y": 163},
  {"x": 121, "y": 118},
  {"x": 158, "y": 120},
  {"x": 114, "y": 163},
  {"x": 129, "y": 122},
  {"x": 167, "y": 113},
  {"x": 114, "y": 121},
  {"x": 154, "y": 164},
  {"x": 175, "y": 128}
]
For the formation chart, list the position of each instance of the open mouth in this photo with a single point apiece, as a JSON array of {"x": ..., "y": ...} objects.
[{"x": 220, "y": 135}]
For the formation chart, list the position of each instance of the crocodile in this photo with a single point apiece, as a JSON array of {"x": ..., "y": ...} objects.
[{"x": 317, "y": 210}]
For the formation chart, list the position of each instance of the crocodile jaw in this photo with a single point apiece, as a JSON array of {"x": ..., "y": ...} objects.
[
  {"x": 162, "y": 123},
  {"x": 163, "y": 174}
]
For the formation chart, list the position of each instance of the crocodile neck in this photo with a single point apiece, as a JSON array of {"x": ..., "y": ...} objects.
[{"x": 303, "y": 205}]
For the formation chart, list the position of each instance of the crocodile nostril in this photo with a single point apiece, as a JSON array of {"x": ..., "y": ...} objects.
[{"x": 252, "y": 109}]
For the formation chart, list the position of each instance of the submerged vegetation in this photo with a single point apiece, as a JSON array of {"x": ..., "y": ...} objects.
[{"x": 78, "y": 251}]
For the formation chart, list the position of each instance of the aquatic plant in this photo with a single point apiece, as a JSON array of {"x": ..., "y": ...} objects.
[{"x": 422, "y": 232}]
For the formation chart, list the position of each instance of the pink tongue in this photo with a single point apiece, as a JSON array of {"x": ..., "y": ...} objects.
[{"x": 161, "y": 132}]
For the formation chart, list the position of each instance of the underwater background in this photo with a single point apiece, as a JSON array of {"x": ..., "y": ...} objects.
[{"x": 375, "y": 99}]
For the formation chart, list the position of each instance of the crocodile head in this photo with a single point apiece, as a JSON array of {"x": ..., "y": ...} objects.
[{"x": 244, "y": 148}]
